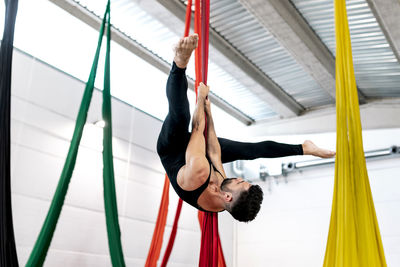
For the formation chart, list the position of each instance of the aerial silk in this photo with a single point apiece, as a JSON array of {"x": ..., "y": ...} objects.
[
  {"x": 174, "y": 230},
  {"x": 211, "y": 252},
  {"x": 156, "y": 243},
  {"x": 110, "y": 198},
  {"x": 8, "y": 254},
  {"x": 354, "y": 238},
  {"x": 221, "y": 259},
  {"x": 42, "y": 244},
  {"x": 158, "y": 234},
  {"x": 209, "y": 223},
  {"x": 172, "y": 236}
]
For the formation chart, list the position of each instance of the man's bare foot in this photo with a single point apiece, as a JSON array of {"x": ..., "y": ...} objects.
[
  {"x": 309, "y": 148},
  {"x": 184, "y": 49}
]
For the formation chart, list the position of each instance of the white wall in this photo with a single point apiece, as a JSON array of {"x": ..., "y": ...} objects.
[
  {"x": 45, "y": 102},
  {"x": 292, "y": 227},
  {"x": 290, "y": 230}
]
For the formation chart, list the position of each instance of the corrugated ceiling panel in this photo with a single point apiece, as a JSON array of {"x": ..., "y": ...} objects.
[
  {"x": 239, "y": 27},
  {"x": 128, "y": 17},
  {"x": 376, "y": 67}
]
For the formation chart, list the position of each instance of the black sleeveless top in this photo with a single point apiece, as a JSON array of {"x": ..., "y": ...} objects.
[{"x": 191, "y": 197}]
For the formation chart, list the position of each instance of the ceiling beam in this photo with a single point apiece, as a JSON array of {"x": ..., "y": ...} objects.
[
  {"x": 387, "y": 13},
  {"x": 273, "y": 94},
  {"x": 292, "y": 31},
  {"x": 376, "y": 114},
  {"x": 139, "y": 50}
]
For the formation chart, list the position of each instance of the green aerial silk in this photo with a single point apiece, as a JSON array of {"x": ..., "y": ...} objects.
[
  {"x": 42, "y": 244},
  {"x": 354, "y": 239},
  {"x": 110, "y": 199}
]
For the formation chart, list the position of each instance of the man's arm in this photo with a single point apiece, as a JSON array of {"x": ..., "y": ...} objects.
[
  {"x": 197, "y": 168},
  {"x": 213, "y": 146}
]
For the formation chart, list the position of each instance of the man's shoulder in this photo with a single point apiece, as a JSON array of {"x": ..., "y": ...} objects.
[{"x": 193, "y": 175}]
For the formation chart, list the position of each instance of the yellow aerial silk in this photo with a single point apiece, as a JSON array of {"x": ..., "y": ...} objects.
[{"x": 354, "y": 239}]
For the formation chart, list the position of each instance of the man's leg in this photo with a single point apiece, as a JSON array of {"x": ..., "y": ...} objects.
[
  {"x": 174, "y": 133},
  {"x": 175, "y": 126},
  {"x": 233, "y": 150},
  {"x": 177, "y": 86}
]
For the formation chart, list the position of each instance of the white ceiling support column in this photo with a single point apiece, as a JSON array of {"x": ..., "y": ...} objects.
[
  {"x": 387, "y": 13},
  {"x": 136, "y": 48},
  {"x": 263, "y": 87},
  {"x": 287, "y": 25}
]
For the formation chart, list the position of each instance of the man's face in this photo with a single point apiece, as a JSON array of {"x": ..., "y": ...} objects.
[{"x": 234, "y": 185}]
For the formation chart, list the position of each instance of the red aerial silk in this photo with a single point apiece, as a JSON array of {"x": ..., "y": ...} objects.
[
  {"x": 173, "y": 234},
  {"x": 211, "y": 254},
  {"x": 188, "y": 18},
  {"x": 209, "y": 239},
  {"x": 221, "y": 259},
  {"x": 180, "y": 202},
  {"x": 210, "y": 250},
  {"x": 197, "y": 57},
  {"x": 206, "y": 260},
  {"x": 156, "y": 242}
]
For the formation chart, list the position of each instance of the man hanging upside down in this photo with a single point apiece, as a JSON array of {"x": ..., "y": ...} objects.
[{"x": 194, "y": 166}]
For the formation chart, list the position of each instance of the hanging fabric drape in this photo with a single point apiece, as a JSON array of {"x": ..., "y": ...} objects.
[
  {"x": 42, "y": 244},
  {"x": 8, "y": 253},
  {"x": 197, "y": 52},
  {"x": 159, "y": 229},
  {"x": 110, "y": 198},
  {"x": 221, "y": 259},
  {"x": 354, "y": 238},
  {"x": 188, "y": 18},
  {"x": 171, "y": 240},
  {"x": 210, "y": 248},
  {"x": 158, "y": 234},
  {"x": 209, "y": 230}
]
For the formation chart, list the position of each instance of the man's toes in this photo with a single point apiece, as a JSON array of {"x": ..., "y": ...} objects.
[
  {"x": 183, "y": 43},
  {"x": 329, "y": 154},
  {"x": 193, "y": 39}
]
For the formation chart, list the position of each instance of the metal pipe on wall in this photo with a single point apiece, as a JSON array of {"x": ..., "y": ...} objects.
[
  {"x": 288, "y": 167},
  {"x": 373, "y": 154}
]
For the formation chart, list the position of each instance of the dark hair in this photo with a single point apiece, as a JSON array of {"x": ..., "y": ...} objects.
[{"x": 248, "y": 204}]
